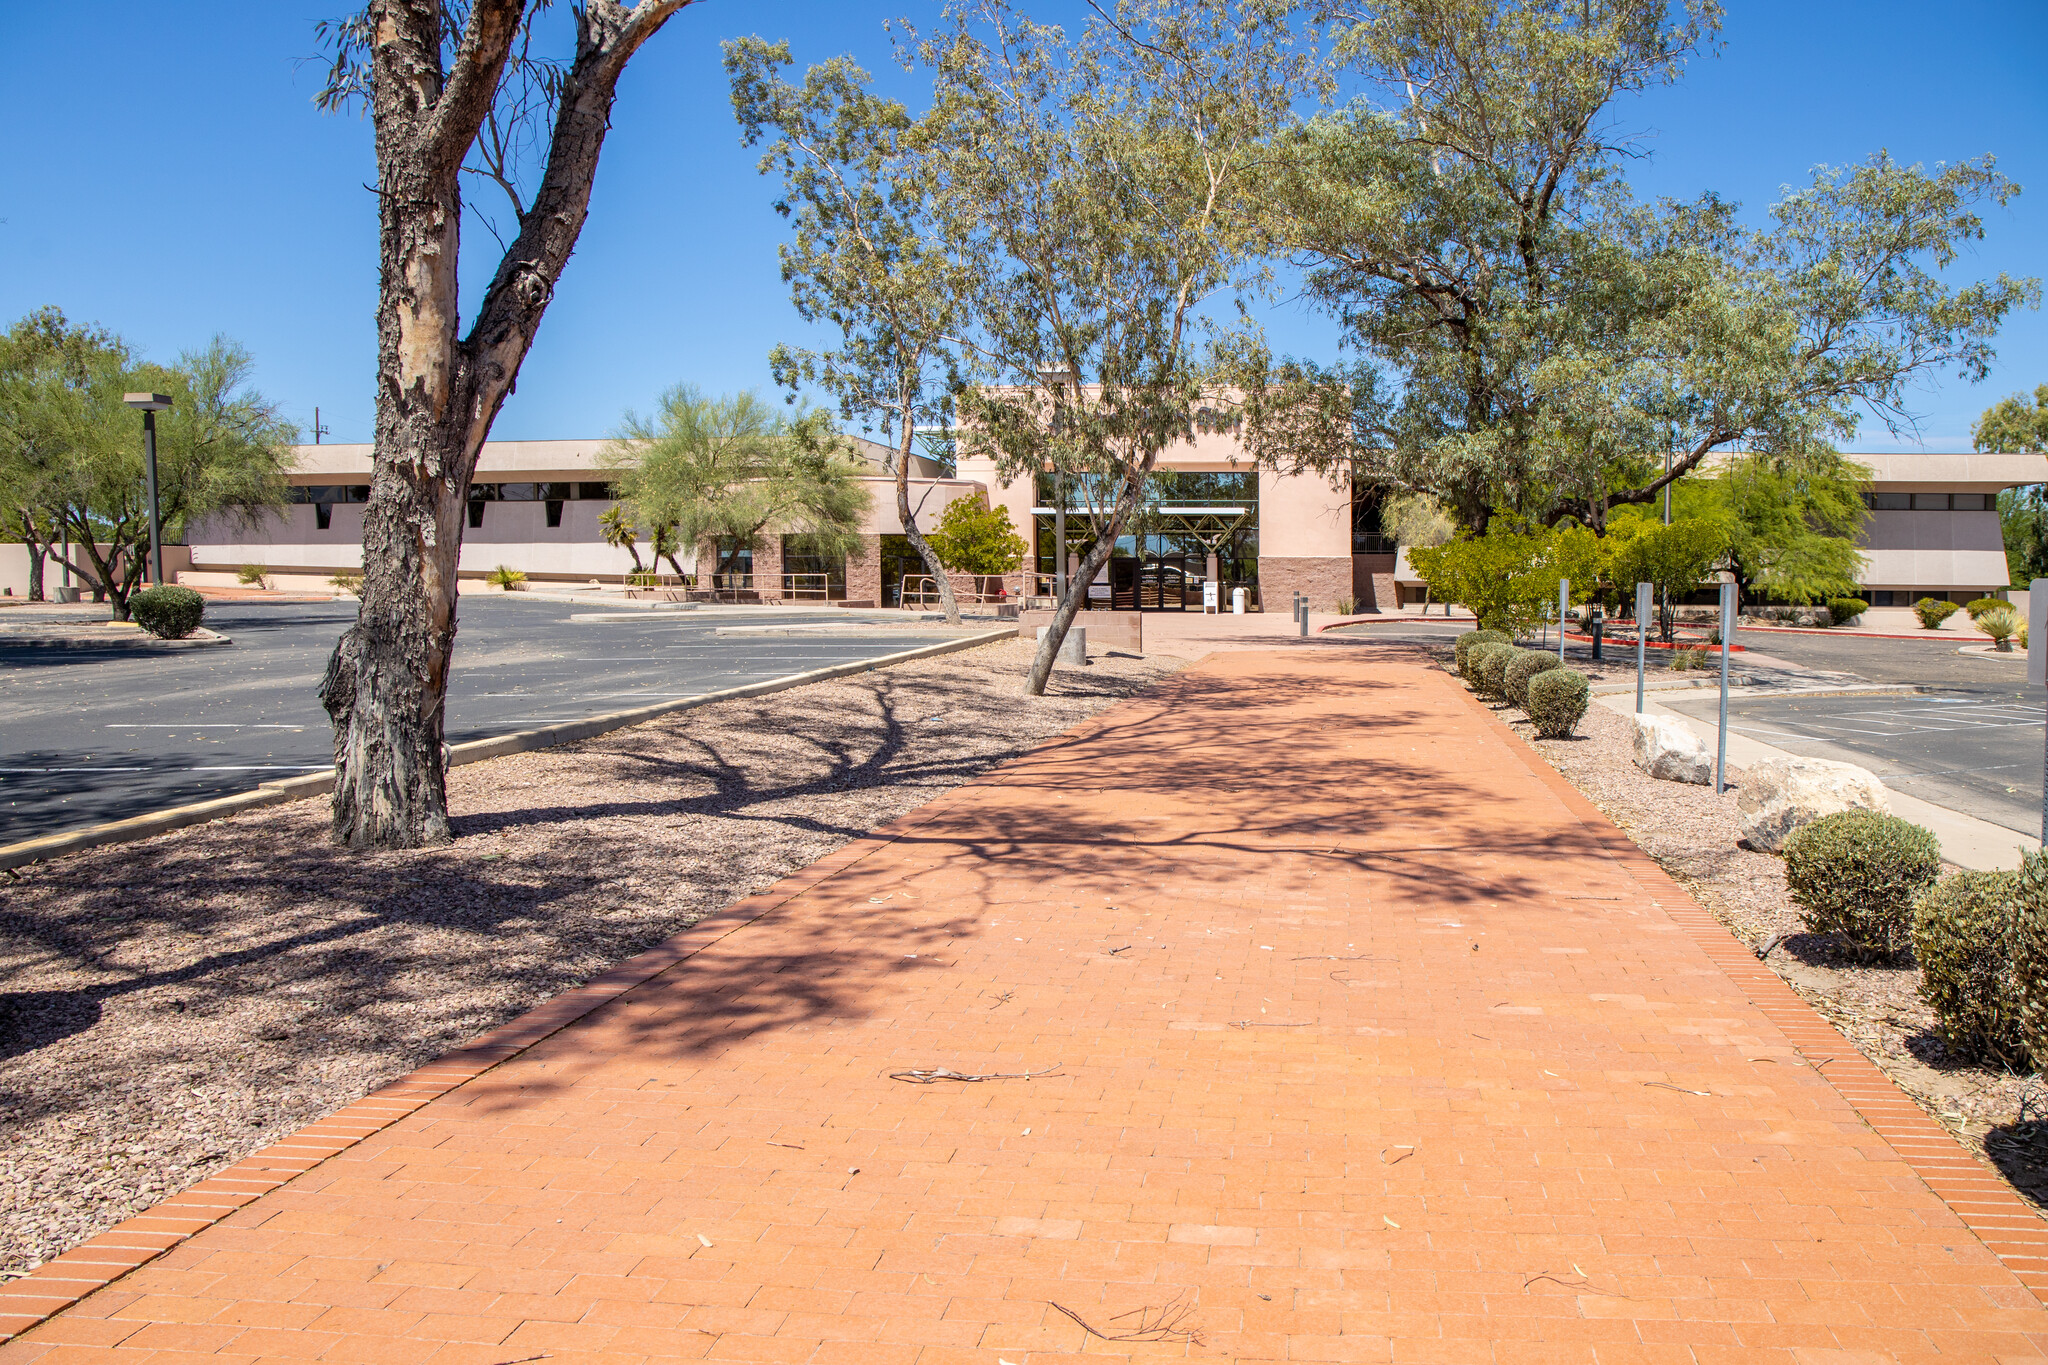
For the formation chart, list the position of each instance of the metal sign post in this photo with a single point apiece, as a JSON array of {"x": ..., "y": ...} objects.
[
  {"x": 1642, "y": 638},
  {"x": 1727, "y": 634},
  {"x": 1564, "y": 602},
  {"x": 2037, "y": 673}
]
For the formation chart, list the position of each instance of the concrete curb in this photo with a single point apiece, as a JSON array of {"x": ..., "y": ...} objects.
[
  {"x": 499, "y": 746},
  {"x": 142, "y": 638}
]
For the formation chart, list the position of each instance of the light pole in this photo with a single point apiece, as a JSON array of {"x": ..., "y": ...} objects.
[{"x": 150, "y": 405}]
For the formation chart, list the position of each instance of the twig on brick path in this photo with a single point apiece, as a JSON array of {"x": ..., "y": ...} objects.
[
  {"x": 1406, "y": 1149},
  {"x": 1822, "y": 1062},
  {"x": 542, "y": 1356},
  {"x": 1002, "y": 999},
  {"x": 1340, "y": 957},
  {"x": 1125, "y": 949},
  {"x": 791, "y": 1145},
  {"x": 928, "y": 1075},
  {"x": 1582, "y": 1286},
  {"x": 1666, "y": 1085},
  {"x": 1260, "y": 1023},
  {"x": 1153, "y": 1324}
]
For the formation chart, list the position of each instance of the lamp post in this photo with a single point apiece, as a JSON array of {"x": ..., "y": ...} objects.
[{"x": 150, "y": 404}]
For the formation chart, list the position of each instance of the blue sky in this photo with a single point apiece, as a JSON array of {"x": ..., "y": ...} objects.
[{"x": 169, "y": 178}]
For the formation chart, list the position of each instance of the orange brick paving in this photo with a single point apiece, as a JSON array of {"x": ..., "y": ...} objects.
[{"x": 1373, "y": 1042}]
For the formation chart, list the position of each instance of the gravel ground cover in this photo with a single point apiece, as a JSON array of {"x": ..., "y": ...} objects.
[
  {"x": 1695, "y": 835},
  {"x": 173, "y": 1005}
]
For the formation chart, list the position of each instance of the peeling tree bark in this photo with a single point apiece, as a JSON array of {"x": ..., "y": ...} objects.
[{"x": 439, "y": 391}]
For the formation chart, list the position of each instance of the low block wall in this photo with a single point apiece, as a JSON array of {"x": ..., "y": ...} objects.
[{"x": 1110, "y": 629}]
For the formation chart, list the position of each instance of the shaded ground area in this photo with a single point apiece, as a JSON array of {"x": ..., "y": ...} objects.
[
  {"x": 105, "y": 733},
  {"x": 173, "y": 1004},
  {"x": 1287, "y": 1013}
]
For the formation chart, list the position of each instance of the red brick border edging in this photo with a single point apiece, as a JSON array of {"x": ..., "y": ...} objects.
[{"x": 1986, "y": 1204}]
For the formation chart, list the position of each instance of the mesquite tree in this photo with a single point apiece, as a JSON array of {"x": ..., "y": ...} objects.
[
  {"x": 863, "y": 257},
  {"x": 451, "y": 86},
  {"x": 1094, "y": 185},
  {"x": 1532, "y": 338}
]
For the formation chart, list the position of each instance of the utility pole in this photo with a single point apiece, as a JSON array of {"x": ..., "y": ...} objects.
[{"x": 319, "y": 431}]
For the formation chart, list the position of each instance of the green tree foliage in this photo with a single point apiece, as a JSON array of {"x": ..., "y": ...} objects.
[
  {"x": 725, "y": 471},
  {"x": 975, "y": 538},
  {"x": 2017, "y": 424},
  {"x": 1791, "y": 523},
  {"x": 1093, "y": 185},
  {"x": 71, "y": 452},
  {"x": 1507, "y": 578},
  {"x": 1673, "y": 559},
  {"x": 1532, "y": 337},
  {"x": 863, "y": 256}
]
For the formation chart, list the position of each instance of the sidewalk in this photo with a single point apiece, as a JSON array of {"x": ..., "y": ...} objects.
[{"x": 1357, "y": 1034}]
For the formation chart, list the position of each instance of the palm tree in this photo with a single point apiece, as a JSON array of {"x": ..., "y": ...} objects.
[{"x": 728, "y": 470}]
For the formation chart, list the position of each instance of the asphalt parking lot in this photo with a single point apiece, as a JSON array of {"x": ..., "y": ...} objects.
[
  {"x": 1971, "y": 741},
  {"x": 105, "y": 733}
]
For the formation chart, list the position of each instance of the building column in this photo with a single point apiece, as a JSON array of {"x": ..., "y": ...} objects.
[{"x": 864, "y": 572}]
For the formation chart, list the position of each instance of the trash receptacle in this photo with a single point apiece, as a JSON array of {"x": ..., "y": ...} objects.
[
  {"x": 1596, "y": 625},
  {"x": 1073, "y": 649},
  {"x": 1237, "y": 601}
]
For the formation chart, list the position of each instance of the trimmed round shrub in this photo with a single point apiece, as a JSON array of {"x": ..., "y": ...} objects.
[
  {"x": 1963, "y": 930},
  {"x": 1982, "y": 605},
  {"x": 1557, "y": 702},
  {"x": 168, "y": 613},
  {"x": 1855, "y": 874},
  {"x": 1843, "y": 610},
  {"x": 1470, "y": 641},
  {"x": 1489, "y": 668},
  {"x": 1932, "y": 611},
  {"x": 1525, "y": 665},
  {"x": 2030, "y": 951}
]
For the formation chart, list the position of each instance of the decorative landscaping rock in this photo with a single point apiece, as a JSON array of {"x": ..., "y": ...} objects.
[
  {"x": 1667, "y": 748},
  {"x": 1781, "y": 794}
]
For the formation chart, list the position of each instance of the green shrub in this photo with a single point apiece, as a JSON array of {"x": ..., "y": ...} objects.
[
  {"x": 1694, "y": 656},
  {"x": 510, "y": 579},
  {"x": 1856, "y": 874},
  {"x": 1471, "y": 640},
  {"x": 250, "y": 574},
  {"x": 1557, "y": 702},
  {"x": 1843, "y": 610},
  {"x": 1982, "y": 605},
  {"x": 346, "y": 580},
  {"x": 1489, "y": 668},
  {"x": 2022, "y": 637},
  {"x": 1963, "y": 939},
  {"x": 1932, "y": 611},
  {"x": 2030, "y": 951},
  {"x": 1525, "y": 665},
  {"x": 168, "y": 613}
]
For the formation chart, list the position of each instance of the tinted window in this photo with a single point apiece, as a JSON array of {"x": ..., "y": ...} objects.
[
  {"x": 1974, "y": 502},
  {"x": 599, "y": 492},
  {"x": 518, "y": 492},
  {"x": 1889, "y": 502},
  {"x": 1930, "y": 502}
]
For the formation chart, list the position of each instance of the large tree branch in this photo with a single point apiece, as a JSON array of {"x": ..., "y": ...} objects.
[
  {"x": 472, "y": 87},
  {"x": 608, "y": 35}
]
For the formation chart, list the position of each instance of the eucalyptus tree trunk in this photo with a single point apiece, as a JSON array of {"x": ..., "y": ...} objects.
[
  {"x": 916, "y": 537},
  {"x": 438, "y": 391},
  {"x": 1077, "y": 587}
]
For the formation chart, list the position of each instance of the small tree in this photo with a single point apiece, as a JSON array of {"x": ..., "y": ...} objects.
[
  {"x": 1094, "y": 188},
  {"x": 1790, "y": 522},
  {"x": 1672, "y": 559},
  {"x": 724, "y": 471},
  {"x": 621, "y": 534},
  {"x": 1507, "y": 578},
  {"x": 977, "y": 539},
  {"x": 2020, "y": 424},
  {"x": 862, "y": 258},
  {"x": 74, "y": 457}
]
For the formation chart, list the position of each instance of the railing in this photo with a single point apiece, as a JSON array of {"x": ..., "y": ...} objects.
[
  {"x": 807, "y": 587},
  {"x": 925, "y": 588}
]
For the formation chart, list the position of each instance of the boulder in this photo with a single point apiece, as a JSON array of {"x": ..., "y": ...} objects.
[
  {"x": 1667, "y": 748},
  {"x": 1781, "y": 794}
]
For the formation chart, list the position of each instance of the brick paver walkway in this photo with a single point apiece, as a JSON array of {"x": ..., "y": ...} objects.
[{"x": 1364, "y": 1043}]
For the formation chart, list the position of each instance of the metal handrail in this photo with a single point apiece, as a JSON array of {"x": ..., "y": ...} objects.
[{"x": 821, "y": 593}]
